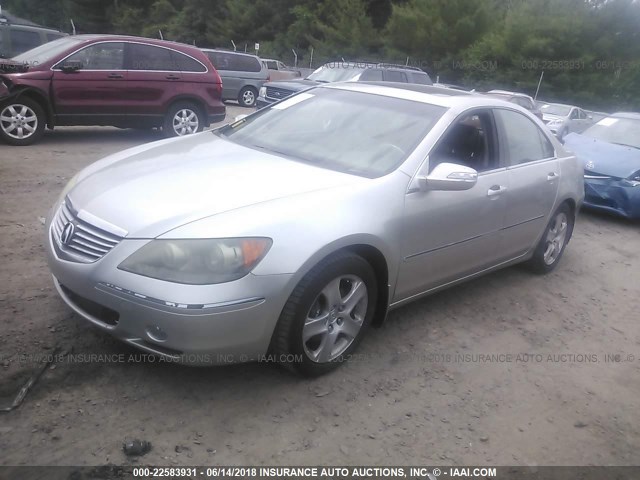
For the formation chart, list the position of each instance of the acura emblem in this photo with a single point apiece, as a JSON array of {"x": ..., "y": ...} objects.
[
  {"x": 67, "y": 233},
  {"x": 590, "y": 165}
]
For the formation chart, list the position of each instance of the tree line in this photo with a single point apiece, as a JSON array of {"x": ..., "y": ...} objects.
[{"x": 589, "y": 50}]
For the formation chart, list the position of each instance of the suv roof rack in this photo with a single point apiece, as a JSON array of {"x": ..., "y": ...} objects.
[{"x": 403, "y": 67}]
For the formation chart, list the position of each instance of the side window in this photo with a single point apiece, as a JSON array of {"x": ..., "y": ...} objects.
[
  {"x": 574, "y": 114},
  {"x": 371, "y": 75},
  {"x": 220, "y": 60},
  {"x": 244, "y": 63},
  {"x": 271, "y": 65},
  {"x": 281, "y": 66},
  {"x": 394, "y": 76},
  {"x": 582, "y": 115},
  {"x": 148, "y": 57},
  {"x": 101, "y": 56},
  {"x": 470, "y": 142},
  {"x": 23, "y": 40},
  {"x": 522, "y": 139},
  {"x": 53, "y": 36},
  {"x": 185, "y": 63},
  {"x": 421, "y": 78}
]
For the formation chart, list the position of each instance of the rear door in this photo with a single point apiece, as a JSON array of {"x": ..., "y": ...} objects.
[
  {"x": 533, "y": 172},
  {"x": 97, "y": 89},
  {"x": 154, "y": 77}
]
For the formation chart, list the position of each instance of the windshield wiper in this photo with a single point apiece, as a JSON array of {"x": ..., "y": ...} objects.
[{"x": 626, "y": 145}]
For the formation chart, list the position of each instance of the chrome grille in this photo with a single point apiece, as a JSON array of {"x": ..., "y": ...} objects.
[
  {"x": 278, "y": 93},
  {"x": 87, "y": 243}
]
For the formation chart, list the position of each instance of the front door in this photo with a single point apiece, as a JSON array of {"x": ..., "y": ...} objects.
[
  {"x": 448, "y": 235},
  {"x": 94, "y": 90}
]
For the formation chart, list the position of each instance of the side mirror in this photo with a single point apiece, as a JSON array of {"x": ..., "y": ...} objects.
[
  {"x": 449, "y": 177},
  {"x": 71, "y": 66},
  {"x": 590, "y": 117}
]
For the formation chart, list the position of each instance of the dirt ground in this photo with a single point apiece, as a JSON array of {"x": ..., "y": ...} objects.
[{"x": 511, "y": 369}]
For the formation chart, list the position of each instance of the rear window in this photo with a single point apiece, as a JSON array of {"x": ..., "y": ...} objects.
[
  {"x": 234, "y": 62},
  {"x": 421, "y": 78},
  {"x": 23, "y": 40},
  {"x": 185, "y": 63}
]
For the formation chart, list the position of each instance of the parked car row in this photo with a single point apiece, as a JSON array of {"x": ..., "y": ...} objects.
[
  {"x": 343, "y": 72},
  {"x": 108, "y": 80}
]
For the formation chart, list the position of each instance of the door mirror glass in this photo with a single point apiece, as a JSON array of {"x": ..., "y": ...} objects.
[
  {"x": 71, "y": 66},
  {"x": 450, "y": 176}
]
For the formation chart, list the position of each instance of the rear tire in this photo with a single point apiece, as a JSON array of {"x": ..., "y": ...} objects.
[
  {"x": 326, "y": 316},
  {"x": 553, "y": 242},
  {"x": 183, "y": 118},
  {"x": 22, "y": 121},
  {"x": 247, "y": 97}
]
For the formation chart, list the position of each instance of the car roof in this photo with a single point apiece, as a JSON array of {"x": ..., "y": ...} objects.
[
  {"x": 631, "y": 115},
  {"x": 132, "y": 38},
  {"x": 444, "y": 97},
  {"x": 506, "y": 92},
  {"x": 232, "y": 52}
]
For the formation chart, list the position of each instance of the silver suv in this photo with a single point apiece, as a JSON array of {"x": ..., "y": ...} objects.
[{"x": 242, "y": 75}]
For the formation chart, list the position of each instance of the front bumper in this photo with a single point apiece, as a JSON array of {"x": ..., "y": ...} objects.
[
  {"x": 191, "y": 324},
  {"x": 612, "y": 196}
]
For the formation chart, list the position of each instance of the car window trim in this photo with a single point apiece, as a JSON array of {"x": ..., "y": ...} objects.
[
  {"x": 501, "y": 134},
  {"x": 53, "y": 68}
]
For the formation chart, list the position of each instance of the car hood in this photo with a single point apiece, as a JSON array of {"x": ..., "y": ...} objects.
[
  {"x": 604, "y": 157},
  {"x": 293, "y": 85},
  {"x": 149, "y": 191}
]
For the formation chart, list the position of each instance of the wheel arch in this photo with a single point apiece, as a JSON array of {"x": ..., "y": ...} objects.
[
  {"x": 37, "y": 96},
  {"x": 191, "y": 99},
  {"x": 371, "y": 253}
]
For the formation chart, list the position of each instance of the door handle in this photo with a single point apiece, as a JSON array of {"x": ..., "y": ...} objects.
[
  {"x": 172, "y": 77},
  {"x": 115, "y": 75},
  {"x": 552, "y": 176},
  {"x": 496, "y": 190}
]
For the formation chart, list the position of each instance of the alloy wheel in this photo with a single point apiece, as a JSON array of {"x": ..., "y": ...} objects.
[
  {"x": 556, "y": 237},
  {"x": 18, "y": 121},
  {"x": 185, "y": 122},
  {"x": 335, "y": 318}
]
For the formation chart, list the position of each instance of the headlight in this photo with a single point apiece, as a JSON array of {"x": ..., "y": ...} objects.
[
  {"x": 199, "y": 261},
  {"x": 262, "y": 92}
]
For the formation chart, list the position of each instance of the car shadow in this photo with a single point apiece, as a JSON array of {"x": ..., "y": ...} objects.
[{"x": 91, "y": 135}]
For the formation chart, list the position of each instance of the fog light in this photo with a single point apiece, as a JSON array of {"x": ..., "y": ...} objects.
[{"x": 156, "y": 334}]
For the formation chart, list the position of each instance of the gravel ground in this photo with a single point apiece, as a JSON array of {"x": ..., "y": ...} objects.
[{"x": 509, "y": 369}]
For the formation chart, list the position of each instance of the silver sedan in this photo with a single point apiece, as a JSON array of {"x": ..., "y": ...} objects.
[{"x": 286, "y": 234}]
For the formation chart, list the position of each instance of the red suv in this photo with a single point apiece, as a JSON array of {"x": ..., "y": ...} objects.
[{"x": 108, "y": 80}]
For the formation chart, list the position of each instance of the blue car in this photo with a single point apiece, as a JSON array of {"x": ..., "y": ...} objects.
[{"x": 610, "y": 152}]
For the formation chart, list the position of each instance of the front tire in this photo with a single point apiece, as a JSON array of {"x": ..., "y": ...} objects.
[
  {"x": 247, "y": 97},
  {"x": 326, "y": 316},
  {"x": 553, "y": 242},
  {"x": 183, "y": 118},
  {"x": 22, "y": 121}
]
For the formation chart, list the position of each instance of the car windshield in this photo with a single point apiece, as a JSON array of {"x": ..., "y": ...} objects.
[
  {"x": 353, "y": 132},
  {"x": 336, "y": 72},
  {"x": 47, "y": 51},
  {"x": 554, "y": 109},
  {"x": 621, "y": 131}
]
